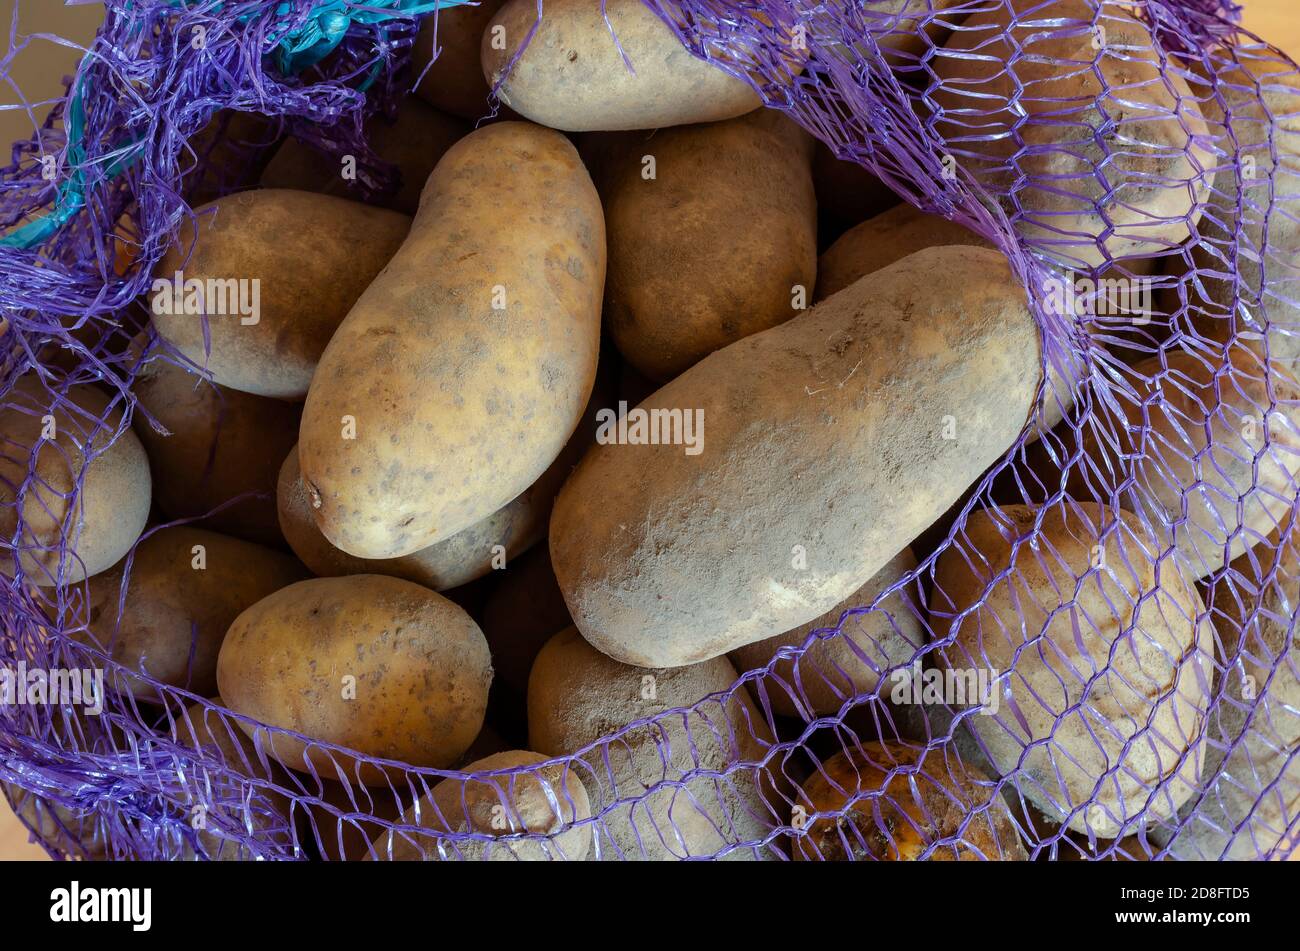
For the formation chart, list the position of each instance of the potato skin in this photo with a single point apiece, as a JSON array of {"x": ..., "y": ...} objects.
[
  {"x": 414, "y": 140},
  {"x": 1109, "y": 165},
  {"x": 454, "y": 82},
  {"x": 523, "y": 804},
  {"x": 421, "y": 670},
  {"x": 222, "y": 444},
  {"x": 824, "y": 432},
  {"x": 711, "y": 249},
  {"x": 1153, "y": 698},
  {"x": 831, "y": 670},
  {"x": 576, "y": 696},
  {"x": 313, "y": 255},
  {"x": 460, "y": 407},
  {"x": 572, "y": 77},
  {"x": 925, "y": 802},
  {"x": 113, "y": 504},
  {"x": 173, "y": 608}
]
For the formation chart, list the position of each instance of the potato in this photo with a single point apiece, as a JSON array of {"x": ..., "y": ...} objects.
[
  {"x": 909, "y": 27},
  {"x": 311, "y": 256},
  {"x": 75, "y": 832},
  {"x": 1095, "y": 149},
  {"x": 348, "y": 815},
  {"x": 853, "y": 809},
  {"x": 464, "y": 368},
  {"x": 1107, "y": 698},
  {"x": 880, "y": 241},
  {"x": 375, "y": 664},
  {"x": 414, "y": 140},
  {"x": 1203, "y": 474},
  {"x": 571, "y": 75},
  {"x": 454, "y": 82},
  {"x": 221, "y": 444},
  {"x": 1252, "y": 772},
  {"x": 547, "y": 802},
  {"x": 836, "y": 668},
  {"x": 576, "y": 696},
  {"x": 824, "y": 457},
  {"x": 187, "y": 586},
  {"x": 720, "y": 244},
  {"x": 109, "y": 512}
]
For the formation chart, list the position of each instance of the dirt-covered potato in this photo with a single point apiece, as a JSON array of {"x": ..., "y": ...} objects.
[
  {"x": 347, "y": 816},
  {"x": 1252, "y": 771},
  {"x": 1098, "y": 148},
  {"x": 186, "y": 587},
  {"x": 836, "y": 668},
  {"x": 413, "y": 140},
  {"x": 1097, "y": 661},
  {"x": 888, "y": 802},
  {"x": 572, "y": 76},
  {"x": 454, "y": 82},
  {"x": 220, "y": 444},
  {"x": 576, "y": 695},
  {"x": 1193, "y": 438},
  {"x": 464, "y": 368},
  {"x": 831, "y": 442},
  {"x": 716, "y": 242},
  {"x": 549, "y": 802},
  {"x": 77, "y": 539},
  {"x": 276, "y": 271},
  {"x": 372, "y": 663}
]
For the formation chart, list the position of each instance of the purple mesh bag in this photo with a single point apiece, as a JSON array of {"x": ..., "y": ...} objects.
[{"x": 1119, "y": 591}]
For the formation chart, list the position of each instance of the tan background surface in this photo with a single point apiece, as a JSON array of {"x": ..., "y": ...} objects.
[{"x": 39, "y": 68}]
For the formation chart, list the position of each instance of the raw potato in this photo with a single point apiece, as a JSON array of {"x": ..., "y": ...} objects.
[
  {"x": 1252, "y": 770},
  {"x": 187, "y": 585},
  {"x": 923, "y": 804},
  {"x": 109, "y": 512},
  {"x": 571, "y": 75},
  {"x": 715, "y": 246},
  {"x": 222, "y": 444},
  {"x": 833, "y": 669},
  {"x": 341, "y": 826},
  {"x": 459, "y": 404},
  {"x": 419, "y": 668},
  {"x": 576, "y": 696},
  {"x": 1213, "y": 494},
  {"x": 1108, "y": 164},
  {"x": 312, "y": 256},
  {"x": 825, "y": 433},
  {"x": 1152, "y": 684},
  {"x": 454, "y": 83},
  {"x": 414, "y": 141},
  {"x": 497, "y": 807}
]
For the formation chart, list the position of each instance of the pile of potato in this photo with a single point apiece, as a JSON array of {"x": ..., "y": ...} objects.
[{"x": 452, "y": 565}]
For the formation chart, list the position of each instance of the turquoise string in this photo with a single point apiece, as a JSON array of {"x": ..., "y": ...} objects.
[{"x": 297, "y": 50}]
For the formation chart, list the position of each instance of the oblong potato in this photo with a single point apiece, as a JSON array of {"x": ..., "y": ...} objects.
[
  {"x": 465, "y": 366},
  {"x": 454, "y": 81},
  {"x": 376, "y": 664},
  {"x": 834, "y": 669},
  {"x": 853, "y": 809},
  {"x": 1100, "y": 660},
  {"x": 110, "y": 510},
  {"x": 550, "y": 802},
  {"x": 221, "y": 444},
  {"x": 413, "y": 140},
  {"x": 719, "y": 244},
  {"x": 576, "y": 696},
  {"x": 1092, "y": 142},
  {"x": 310, "y": 255},
  {"x": 826, "y": 434},
  {"x": 186, "y": 587},
  {"x": 571, "y": 75}
]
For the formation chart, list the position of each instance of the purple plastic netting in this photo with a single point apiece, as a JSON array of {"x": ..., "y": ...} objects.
[{"x": 1132, "y": 569}]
